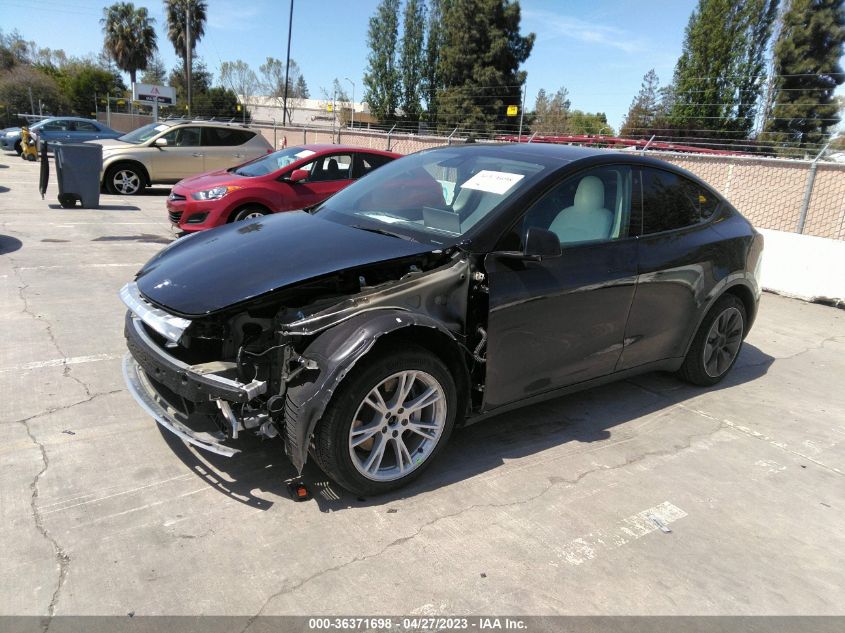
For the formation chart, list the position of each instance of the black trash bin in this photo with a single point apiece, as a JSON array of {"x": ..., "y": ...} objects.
[{"x": 78, "y": 167}]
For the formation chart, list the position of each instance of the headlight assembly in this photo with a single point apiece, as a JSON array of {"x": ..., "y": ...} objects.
[{"x": 213, "y": 194}]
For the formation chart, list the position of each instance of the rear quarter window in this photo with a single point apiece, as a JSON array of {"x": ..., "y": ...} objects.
[
  {"x": 672, "y": 202},
  {"x": 227, "y": 136}
]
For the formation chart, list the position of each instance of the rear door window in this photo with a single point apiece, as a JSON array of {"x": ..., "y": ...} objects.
[
  {"x": 672, "y": 202},
  {"x": 366, "y": 163},
  {"x": 333, "y": 167}
]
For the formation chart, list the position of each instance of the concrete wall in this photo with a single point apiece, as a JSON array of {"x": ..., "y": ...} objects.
[{"x": 803, "y": 266}]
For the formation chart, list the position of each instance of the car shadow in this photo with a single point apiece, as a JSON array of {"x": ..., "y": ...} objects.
[
  {"x": 261, "y": 471},
  {"x": 4, "y": 189},
  {"x": 9, "y": 244}
]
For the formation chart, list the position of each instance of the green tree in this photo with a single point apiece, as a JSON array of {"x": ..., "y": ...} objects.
[
  {"x": 238, "y": 77},
  {"x": 201, "y": 80},
  {"x": 130, "y": 36},
  {"x": 156, "y": 73},
  {"x": 551, "y": 115},
  {"x": 720, "y": 74},
  {"x": 644, "y": 109},
  {"x": 412, "y": 58},
  {"x": 433, "y": 42},
  {"x": 219, "y": 102},
  {"x": 80, "y": 80},
  {"x": 478, "y": 63},
  {"x": 176, "y": 11},
  {"x": 807, "y": 67},
  {"x": 301, "y": 88},
  {"x": 381, "y": 80},
  {"x": 15, "y": 86},
  {"x": 588, "y": 123}
]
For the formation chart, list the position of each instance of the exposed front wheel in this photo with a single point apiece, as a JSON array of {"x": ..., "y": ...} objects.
[
  {"x": 716, "y": 345},
  {"x": 248, "y": 213},
  {"x": 387, "y": 422},
  {"x": 124, "y": 180}
]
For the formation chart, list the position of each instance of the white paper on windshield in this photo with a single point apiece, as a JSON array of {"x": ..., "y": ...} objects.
[
  {"x": 389, "y": 219},
  {"x": 304, "y": 153},
  {"x": 160, "y": 128},
  {"x": 498, "y": 182}
]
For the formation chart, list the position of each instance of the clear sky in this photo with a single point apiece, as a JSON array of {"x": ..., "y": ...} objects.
[{"x": 598, "y": 49}]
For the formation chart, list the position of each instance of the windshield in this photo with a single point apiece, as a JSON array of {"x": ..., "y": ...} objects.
[
  {"x": 273, "y": 162},
  {"x": 435, "y": 196},
  {"x": 144, "y": 133}
]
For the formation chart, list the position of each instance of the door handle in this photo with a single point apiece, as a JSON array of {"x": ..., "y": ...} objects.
[
  {"x": 197, "y": 155},
  {"x": 239, "y": 155}
]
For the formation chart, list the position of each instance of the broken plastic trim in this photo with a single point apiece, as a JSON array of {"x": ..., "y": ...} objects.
[
  {"x": 156, "y": 406},
  {"x": 169, "y": 326}
]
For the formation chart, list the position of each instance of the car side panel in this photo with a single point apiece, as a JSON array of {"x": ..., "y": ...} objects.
[{"x": 678, "y": 271}]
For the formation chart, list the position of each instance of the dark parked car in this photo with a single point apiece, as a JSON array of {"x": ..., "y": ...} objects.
[{"x": 445, "y": 287}]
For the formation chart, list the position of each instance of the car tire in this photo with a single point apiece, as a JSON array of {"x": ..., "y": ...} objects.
[
  {"x": 248, "y": 213},
  {"x": 344, "y": 444},
  {"x": 717, "y": 342},
  {"x": 125, "y": 179},
  {"x": 18, "y": 148}
]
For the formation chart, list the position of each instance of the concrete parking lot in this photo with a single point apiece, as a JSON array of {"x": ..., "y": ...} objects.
[{"x": 643, "y": 497}]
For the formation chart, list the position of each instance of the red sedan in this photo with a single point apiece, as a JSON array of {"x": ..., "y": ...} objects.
[{"x": 292, "y": 178}]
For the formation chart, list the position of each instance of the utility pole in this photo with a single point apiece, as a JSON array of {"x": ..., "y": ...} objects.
[
  {"x": 522, "y": 113},
  {"x": 287, "y": 67},
  {"x": 352, "y": 125},
  {"x": 31, "y": 102},
  {"x": 188, "y": 51}
]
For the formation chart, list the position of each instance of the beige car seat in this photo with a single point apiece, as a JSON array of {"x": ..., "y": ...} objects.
[{"x": 587, "y": 219}]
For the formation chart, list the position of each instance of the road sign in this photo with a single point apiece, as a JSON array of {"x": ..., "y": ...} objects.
[
  {"x": 149, "y": 93},
  {"x": 513, "y": 110}
]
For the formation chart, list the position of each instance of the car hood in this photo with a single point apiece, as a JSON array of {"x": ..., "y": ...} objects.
[
  {"x": 212, "y": 270},
  {"x": 110, "y": 143},
  {"x": 209, "y": 180}
]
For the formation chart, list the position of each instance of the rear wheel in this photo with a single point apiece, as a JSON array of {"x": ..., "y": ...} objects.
[
  {"x": 387, "y": 422},
  {"x": 67, "y": 200},
  {"x": 18, "y": 148},
  {"x": 716, "y": 345},
  {"x": 248, "y": 213},
  {"x": 125, "y": 180}
]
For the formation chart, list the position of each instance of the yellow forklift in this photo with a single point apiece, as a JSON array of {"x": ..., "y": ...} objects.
[{"x": 29, "y": 149}]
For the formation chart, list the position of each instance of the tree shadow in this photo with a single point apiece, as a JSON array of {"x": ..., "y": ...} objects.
[
  {"x": 261, "y": 470},
  {"x": 9, "y": 244}
]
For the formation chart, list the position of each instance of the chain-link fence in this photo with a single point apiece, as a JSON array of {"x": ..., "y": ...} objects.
[{"x": 800, "y": 196}]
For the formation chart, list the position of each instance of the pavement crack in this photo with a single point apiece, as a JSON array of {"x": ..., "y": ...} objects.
[
  {"x": 61, "y": 556},
  {"x": 66, "y": 371},
  {"x": 552, "y": 484},
  {"x": 41, "y": 414}
]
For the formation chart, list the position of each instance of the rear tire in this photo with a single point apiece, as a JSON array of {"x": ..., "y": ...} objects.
[
  {"x": 717, "y": 343},
  {"x": 18, "y": 148},
  {"x": 398, "y": 436}
]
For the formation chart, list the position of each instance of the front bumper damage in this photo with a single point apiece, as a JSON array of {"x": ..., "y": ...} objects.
[{"x": 160, "y": 382}]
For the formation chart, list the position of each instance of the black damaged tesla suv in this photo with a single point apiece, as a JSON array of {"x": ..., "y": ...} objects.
[{"x": 447, "y": 286}]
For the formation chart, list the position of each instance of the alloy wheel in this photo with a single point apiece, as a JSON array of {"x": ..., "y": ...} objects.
[
  {"x": 397, "y": 426},
  {"x": 126, "y": 181},
  {"x": 723, "y": 342}
]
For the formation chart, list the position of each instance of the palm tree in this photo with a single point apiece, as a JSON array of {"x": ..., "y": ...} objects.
[
  {"x": 130, "y": 37},
  {"x": 176, "y": 10}
]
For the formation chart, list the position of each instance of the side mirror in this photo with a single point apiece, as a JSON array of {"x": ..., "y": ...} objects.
[
  {"x": 160, "y": 142},
  {"x": 541, "y": 244},
  {"x": 297, "y": 175}
]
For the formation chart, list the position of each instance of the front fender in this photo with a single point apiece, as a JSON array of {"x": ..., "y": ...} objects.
[{"x": 336, "y": 351}]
